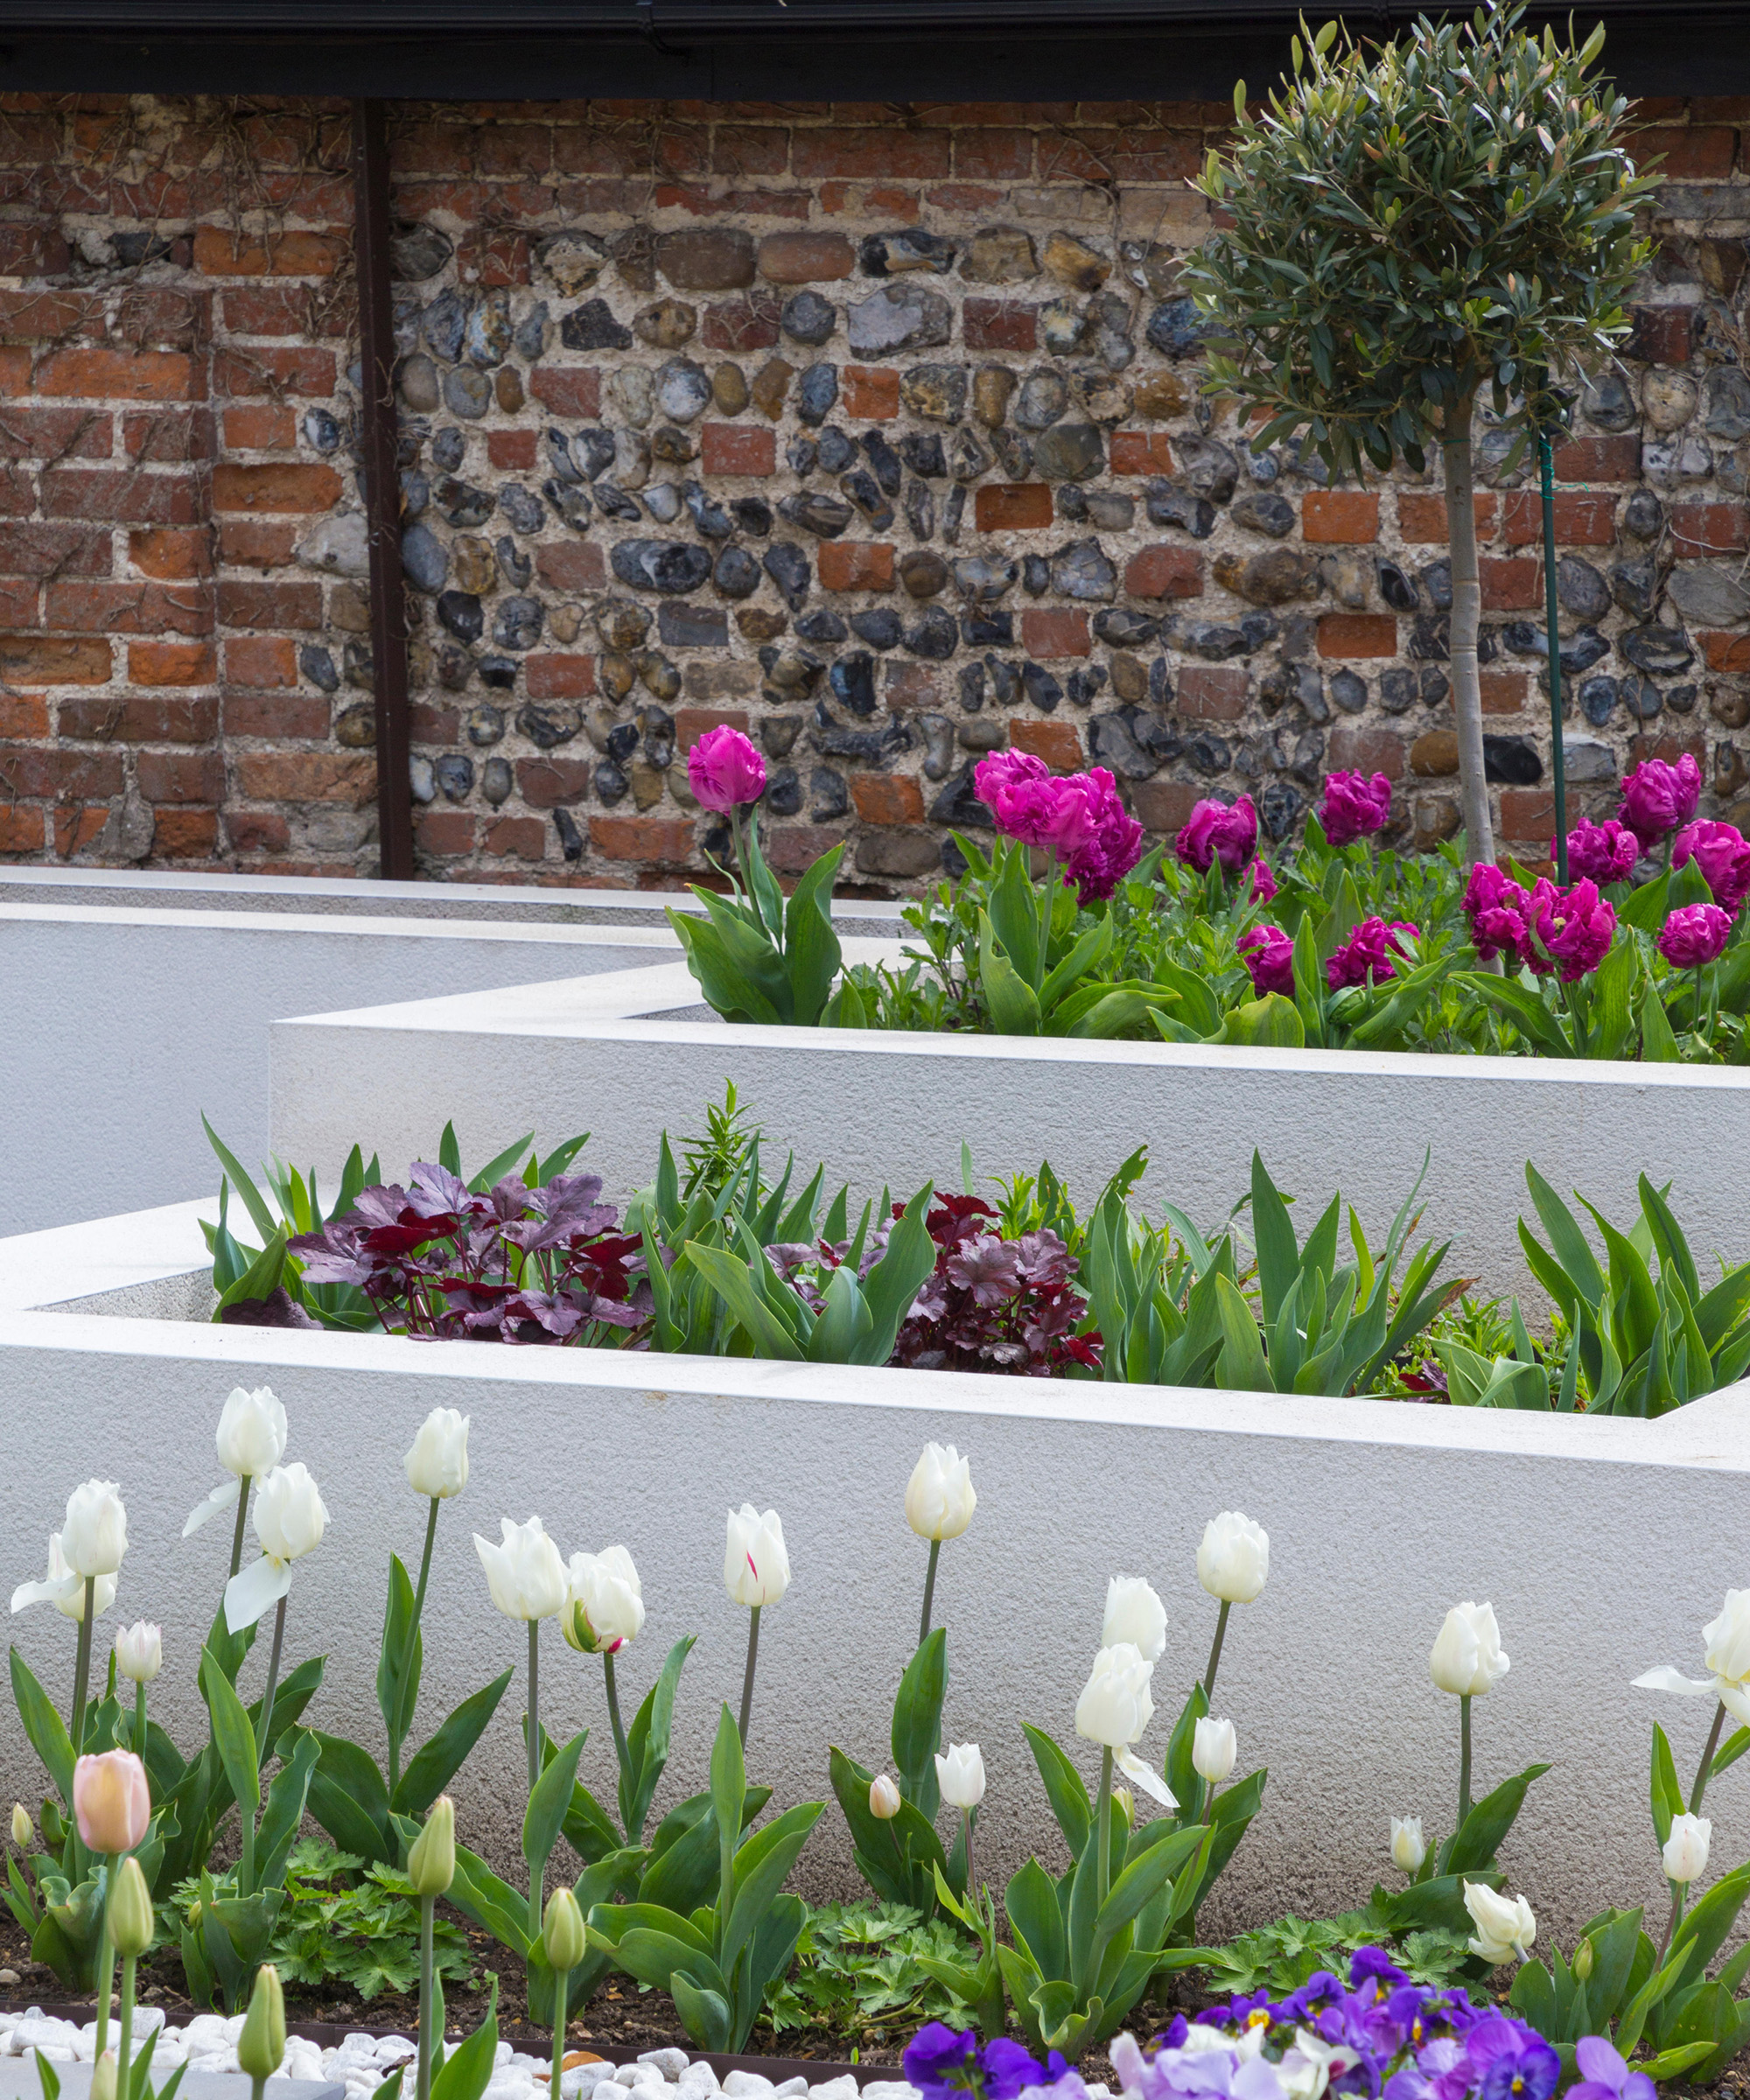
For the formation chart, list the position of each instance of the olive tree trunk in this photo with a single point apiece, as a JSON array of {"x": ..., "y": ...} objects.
[{"x": 1455, "y": 449}]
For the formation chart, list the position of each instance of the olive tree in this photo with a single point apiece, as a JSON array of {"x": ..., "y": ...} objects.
[{"x": 1409, "y": 224}]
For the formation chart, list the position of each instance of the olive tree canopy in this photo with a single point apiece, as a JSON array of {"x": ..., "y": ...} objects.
[{"x": 1412, "y": 223}]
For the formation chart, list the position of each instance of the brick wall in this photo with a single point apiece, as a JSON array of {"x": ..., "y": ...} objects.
[{"x": 871, "y": 429}]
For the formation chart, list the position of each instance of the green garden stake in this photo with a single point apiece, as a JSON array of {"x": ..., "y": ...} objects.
[{"x": 1546, "y": 469}]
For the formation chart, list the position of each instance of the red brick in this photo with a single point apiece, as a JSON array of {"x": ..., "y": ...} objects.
[
  {"x": 1212, "y": 692},
  {"x": 184, "y": 834},
  {"x": 120, "y": 494},
  {"x": 887, "y": 798},
  {"x": 516, "y": 837},
  {"x": 240, "y": 371},
  {"x": 806, "y": 258},
  {"x": 1687, "y": 152},
  {"x": 1599, "y": 459},
  {"x": 553, "y": 782},
  {"x": 856, "y": 565},
  {"x": 572, "y": 390},
  {"x": 1162, "y": 571},
  {"x": 246, "y": 605},
  {"x": 882, "y": 199},
  {"x": 181, "y": 776},
  {"x": 1058, "y": 742},
  {"x": 172, "y": 663},
  {"x": 33, "y": 432},
  {"x": 727, "y": 448},
  {"x": 793, "y": 849},
  {"x": 278, "y": 309},
  {"x": 261, "y": 660},
  {"x": 1357, "y": 634},
  {"x": 37, "y": 660},
  {"x": 1710, "y": 529},
  {"x": 999, "y": 324},
  {"x": 275, "y": 718},
  {"x": 1528, "y": 815},
  {"x": 15, "y": 369},
  {"x": 666, "y": 841},
  {"x": 892, "y": 150},
  {"x": 1367, "y": 750},
  {"x": 444, "y": 833},
  {"x": 430, "y": 725},
  {"x": 257, "y": 831},
  {"x": 871, "y": 392},
  {"x": 34, "y": 772},
  {"x": 552, "y": 676},
  {"x": 570, "y": 565},
  {"x": 1585, "y": 517},
  {"x": 170, "y": 554},
  {"x": 910, "y": 685},
  {"x": 24, "y": 715},
  {"x": 307, "y": 776},
  {"x": 261, "y": 543},
  {"x": 692, "y": 722},
  {"x": 34, "y": 550},
  {"x": 1339, "y": 517},
  {"x": 1502, "y": 692},
  {"x": 1670, "y": 748},
  {"x": 511, "y": 451},
  {"x": 169, "y": 437},
  {"x": 1422, "y": 518},
  {"x": 1163, "y": 805},
  {"x": 1141, "y": 452},
  {"x": 103, "y": 375},
  {"x": 221, "y": 253},
  {"x": 1661, "y": 334},
  {"x": 1511, "y": 583},
  {"x": 139, "y": 717},
  {"x": 47, "y": 317},
  {"x": 75, "y": 829},
  {"x": 1054, "y": 631},
  {"x": 260, "y": 426},
  {"x": 749, "y": 323},
  {"x": 1722, "y": 651},
  {"x": 1012, "y": 506},
  {"x": 21, "y": 831},
  {"x": 1000, "y": 156},
  {"x": 304, "y": 487}
]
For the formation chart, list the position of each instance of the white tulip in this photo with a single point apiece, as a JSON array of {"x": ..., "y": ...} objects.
[
  {"x": 605, "y": 1608},
  {"x": 1233, "y": 1560},
  {"x": 437, "y": 1465},
  {"x": 1115, "y": 1708},
  {"x": 290, "y": 1518},
  {"x": 63, "y": 1589},
  {"x": 1214, "y": 1745},
  {"x": 251, "y": 1442},
  {"x": 1505, "y": 1925},
  {"x": 139, "y": 1651},
  {"x": 1726, "y": 1656},
  {"x": 1467, "y": 1659},
  {"x": 1408, "y": 1850},
  {"x": 939, "y": 1496},
  {"x": 884, "y": 1798},
  {"x": 93, "y": 1537},
  {"x": 1136, "y": 1614},
  {"x": 525, "y": 1574},
  {"x": 756, "y": 1567},
  {"x": 1685, "y": 1853},
  {"x": 961, "y": 1776}
]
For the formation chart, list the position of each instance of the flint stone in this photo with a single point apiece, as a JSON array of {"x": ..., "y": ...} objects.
[
  {"x": 1655, "y": 648},
  {"x": 517, "y": 623},
  {"x": 999, "y": 255},
  {"x": 912, "y": 249},
  {"x": 666, "y": 324},
  {"x": 852, "y": 679},
  {"x": 821, "y": 626},
  {"x": 444, "y": 324},
  {"x": 788, "y": 568},
  {"x": 735, "y": 573},
  {"x": 425, "y": 560},
  {"x": 1587, "y": 761},
  {"x": 752, "y": 513},
  {"x": 1043, "y": 398},
  {"x": 460, "y": 611},
  {"x": 1069, "y": 452},
  {"x": 1082, "y": 570},
  {"x": 1207, "y": 466},
  {"x": 1061, "y": 327},
  {"x": 1728, "y": 404},
  {"x": 1112, "y": 744},
  {"x": 1669, "y": 398},
  {"x": 1713, "y": 594},
  {"x": 663, "y": 503},
  {"x": 935, "y": 392},
  {"x": 1581, "y": 589},
  {"x": 921, "y": 451},
  {"x": 1040, "y": 687},
  {"x": 935, "y": 636},
  {"x": 671, "y": 566},
  {"x": 865, "y": 492},
  {"x": 485, "y": 341},
  {"x": 806, "y": 317},
  {"x": 1512, "y": 761},
  {"x": 684, "y": 389},
  {"x": 884, "y": 462},
  {"x": 984, "y": 578},
  {"x": 1174, "y": 328},
  {"x": 467, "y": 393},
  {"x": 988, "y": 630},
  {"x": 1397, "y": 589},
  {"x": 816, "y": 393},
  {"x": 592, "y": 326},
  {"x": 923, "y": 573},
  {"x": 1273, "y": 577},
  {"x": 836, "y": 450},
  {"x": 1607, "y": 403},
  {"x": 1167, "y": 505},
  {"x": 570, "y": 504},
  {"x": 1260, "y": 511},
  {"x": 823, "y": 516},
  {"x": 1676, "y": 459},
  {"x": 903, "y": 316},
  {"x": 880, "y": 628},
  {"x": 574, "y": 260},
  {"x": 1598, "y": 700},
  {"x": 692, "y": 627},
  {"x": 547, "y": 725}
]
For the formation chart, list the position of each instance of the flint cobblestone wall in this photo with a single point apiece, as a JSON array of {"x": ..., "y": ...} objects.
[{"x": 874, "y": 430}]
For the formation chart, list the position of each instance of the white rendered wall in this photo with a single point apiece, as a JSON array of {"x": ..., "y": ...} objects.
[
  {"x": 886, "y": 1107},
  {"x": 1603, "y": 1546}
]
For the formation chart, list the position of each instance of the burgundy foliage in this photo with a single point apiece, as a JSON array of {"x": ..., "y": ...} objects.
[{"x": 995, "y": 1305}]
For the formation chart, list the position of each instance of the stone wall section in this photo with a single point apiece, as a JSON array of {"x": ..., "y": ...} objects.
[{"x": 873, "y": 430}]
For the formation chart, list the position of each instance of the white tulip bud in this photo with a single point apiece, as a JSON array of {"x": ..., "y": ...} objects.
[
  {"x": 1115, "y": 1706},
  {"x": 24, "y": 1830},
  {"x": 961, "y": 1776},
  {"x": 525, "y": 1574},
  {"x": 1467, "y": 1659},
  {"x": 289, "y": 1516},
  {"x": 1233, "y": 1560},
  {"x": 1686, "y": 1850},
  {"x": 884, "y": 1798},
  {"x": 95, "y": 1535},
  {"x": 1136, "y": 1614},
  {"x": 1127, "y": 1801},
  {"x": 939, "y": 1496},
  {"x": 1214, "y": 1745},
  {"x": 437, "y": 1465},
  {"x": 251, "y": 1438},
  {"x": 756, "y": 1567},
  {"x": 605, "y": 1607},
  {"x": 139, "y": 1651},
  {"x": 1407, "y": 1849},
  {"x": 1505, "y": 1925}
]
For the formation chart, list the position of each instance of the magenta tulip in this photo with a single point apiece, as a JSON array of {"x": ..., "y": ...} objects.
[
  {"x": 1219, "y": 831},
  {"x": 1658, "y": 797},
  {"x": 1368, "y": 952},
  {"x": 1694, "y": 935},
  {"x": 1604, "y": 852},
  {"x": 724, "y": 770},
  {"x": 1269, "y": 955},
  {"x": 1723, "y": 854},
  {"x": 1573, "y": 928},
  {"x": 1353, "y": 807}
]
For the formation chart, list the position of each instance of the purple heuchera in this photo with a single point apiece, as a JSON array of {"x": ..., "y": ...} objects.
[
  {"x": 1693, "y": 934},
  {"x": 1657, "y": 797},
  {"x": 1353, "y": 807},
  {"x": 995, "y": 1304},
  {"x": 1604, "y": 852},
  {"x": 1368, "y": 953},
  {"x": 1723, "y": 854},
  {"x": 1219, "y": 831},
  {"x": 725, "y": 771}
]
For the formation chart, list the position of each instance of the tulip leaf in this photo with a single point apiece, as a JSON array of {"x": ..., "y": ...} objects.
[
  {"x": 812, "y": 953},
  {"x": 727, "y": 1274},
  {"x": 892, "y": 1284},
  {"x": 45, "y": 1727},
  {"x": 1065, "y": 1789},
  {"x": 647, "y": 1742},
  {"x": 233, "y": 1734},
  {"x": 917, "y": 1721},
  {"x": 1272, "y": 1022},
  {"x": 1013, "y": 1007},
  {"x": 468, "y": 2068},
  {"x": 548, "y": 1801},
  {"x": 398, "y": 1657},
  {"x": 1036, "y": 1921},
  {"x": 285, "y": 1804},
  {"x": 1668, "y": 1796},
  {"x": 1241, "y": 1367},
  {"x": 348, "y": 1797},
  {"x": 705, "y": 2013},
  {"x": 493, "y": 1905},
  {"x": 1480, "y": 1838},
  {"x": 1142, "y": 1878},
  {"x": 762, "y": 1866},
  {"x": 439, "y": 1758}
]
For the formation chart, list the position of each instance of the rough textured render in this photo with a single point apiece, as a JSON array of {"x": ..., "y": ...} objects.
[{"x": 875, "y": 430}]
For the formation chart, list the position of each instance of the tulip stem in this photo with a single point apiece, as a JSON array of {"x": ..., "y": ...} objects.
[
  {"x": 1216, "y": 1649},
  {"x": 561, "y": 1978},
  {"x": 1103, "y": 1855},
  {"x": 403, "y": 1718},
  {"x": 1704, "y": 1771},
  {"x": 140, "y": 1720},
  {"x": 124, "y": 2049},
  {"x": 534, "y": 1865},
  {"x": 971, "y": 1878},
  {"x": 747, "y": 1677},
  {"x": 1464, "y": 1758},
  {"x": 81, "y": 1668},
  {"x": 237, "y": 1536},
  {"x": 620, "y": 1748},
  {"x": 427, "y": 2003},
  {"x": 264, "y": 1738},
  {"x": 106, "y": 1959},
  {"x": 930, "y": 1592}
]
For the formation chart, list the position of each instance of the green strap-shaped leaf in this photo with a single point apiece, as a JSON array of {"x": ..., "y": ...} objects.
[
  {"x": 45, "y": 1727},
  {"x": 548, "y": 1802},
  {"x": 647, "y": 1741},
  {"x": 233, "y": 1734},
  {"x": 468, "y": 2068},
  {"x": 916, "y": 1734},
  {"x": 1242, "y": 1366},
  {"x": 439, "y": 1760},
  {"x": 727, "y": 1275},
  {"x": 892, "y": 1284}
]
